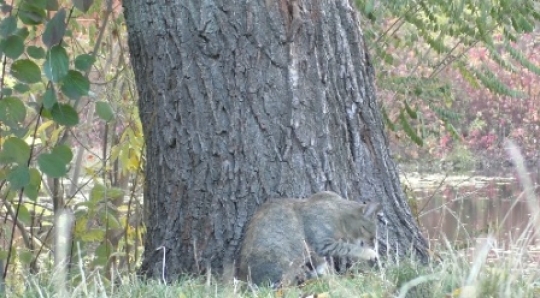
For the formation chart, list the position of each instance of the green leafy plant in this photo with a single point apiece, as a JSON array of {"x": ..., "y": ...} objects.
[{"x": 47, "y": 118}]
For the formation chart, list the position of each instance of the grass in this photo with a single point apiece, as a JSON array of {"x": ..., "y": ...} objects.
[
  {"x": 479, "y": 269},
  {"x": 476, "y": 275}
]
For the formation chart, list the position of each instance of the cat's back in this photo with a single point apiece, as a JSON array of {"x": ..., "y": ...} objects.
[
  {"x": 326, "y": 204},
  {"x": 271, "y": 219}
]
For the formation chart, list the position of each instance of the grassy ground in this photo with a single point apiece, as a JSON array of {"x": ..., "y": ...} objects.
[{"x": 474, "y": 275}]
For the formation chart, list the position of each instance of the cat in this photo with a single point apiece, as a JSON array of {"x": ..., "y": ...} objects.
[{"x": 288, "y": 241}]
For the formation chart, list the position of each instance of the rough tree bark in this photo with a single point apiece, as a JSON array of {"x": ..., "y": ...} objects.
[{"x": 242, "y": 100}]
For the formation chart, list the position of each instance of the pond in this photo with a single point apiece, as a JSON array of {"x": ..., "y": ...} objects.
[{"x": 462, "y": 209}]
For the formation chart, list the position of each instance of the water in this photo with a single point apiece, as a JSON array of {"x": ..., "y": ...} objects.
[{"x": 463, "y": 209}]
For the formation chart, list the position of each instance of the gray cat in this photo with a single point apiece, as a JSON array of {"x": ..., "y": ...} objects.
[{"x": 288, "y": 240}]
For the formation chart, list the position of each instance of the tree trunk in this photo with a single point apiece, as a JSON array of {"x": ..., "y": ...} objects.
[{"x": 245, "y": 100}]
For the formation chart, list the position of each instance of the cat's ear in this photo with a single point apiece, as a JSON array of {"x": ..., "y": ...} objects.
[{"x": 371, "y": 209}]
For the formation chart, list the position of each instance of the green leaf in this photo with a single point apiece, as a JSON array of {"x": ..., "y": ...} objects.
[
  {"x": 21, "y": 88},
  {"x": 445, "y": 114},
  {"x": 64, "y": 152},
  {"x": 468, "y": 76},
  {"x": 26, "y": 71},
  {"x": 490, "y": 80},
  {"x": 35, "y": 177},
  {"x": 56, "y": 65},
  {"x": 31, "y": 192},
  {"x": 31, "y": 14},
  {"x": 519, "y": 56},
  {"x": 22, "y": 32},
  {"x": 15, "y": 150},
  {"x": 104, "y": 111},
  {"x": 409, "y": 130},
  {"x": 75, "y": 85},
  {"x": 55, "y": 29},
  {"x": 25, "y": 256},
  {"x": 83, "y": 5},
  {"x": 64, "y": 114},
  {"x": 453, "y": 131},
  {"x": 24, "y": 215},
  {"x": 84, "y": 62},
  {"x": 19, "y": 177},
  {"x": 35, "y": 52},
  {"x": 410, "y": 111},
  {"x": 437, "y": 44},
  {"x": 32, "y": 189},
  {"x": 102, "y": 253},
  {"x": 424, "y": 130},
  {"x": 523, "y": 24},
  {"x": 38, "y": 3},
  {"x": 13, "y": 46},
  {"x": 6, "y": 91},
  {"x": 368, "y": 8},
  {"x": 49, "y": 98},
  {"x": 97, "y": 193},
  {"x": 93, "y": 235},
  {"x": 19, "y": 131},
  {"x": 115, "y": 193},
  {"x": 52, "y": 164},
  {"x": 8, "y": 26},
  {"x": 110, "y": 220},
  {"x": 45, "y": 113},
  {"x": 12, "y": 110}
]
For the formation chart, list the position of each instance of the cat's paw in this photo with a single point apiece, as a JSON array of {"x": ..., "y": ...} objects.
[{"x": 369, "y": 254}]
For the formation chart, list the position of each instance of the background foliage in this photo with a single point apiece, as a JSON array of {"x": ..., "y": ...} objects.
[{"x": 456, "y": 77}]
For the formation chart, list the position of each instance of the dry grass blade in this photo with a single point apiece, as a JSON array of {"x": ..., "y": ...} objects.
[
  {"x": 528, "y": 187},
  {"x": 63, "y": 224}
]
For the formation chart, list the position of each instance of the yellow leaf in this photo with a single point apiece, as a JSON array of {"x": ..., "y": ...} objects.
[
  {"x": 93, "y": 235},
  {"x": 114, "y": 152},
  {"x": 55, "y": 134},
  {"x": 80, "y": 226},
  {"x": 44, "y": 126},
  {"x": 133, "y": 161}
]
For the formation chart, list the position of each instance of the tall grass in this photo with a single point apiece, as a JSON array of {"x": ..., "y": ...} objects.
[
  {"x": 481, "y": 269},
  {"x": 455, "y": 276}
]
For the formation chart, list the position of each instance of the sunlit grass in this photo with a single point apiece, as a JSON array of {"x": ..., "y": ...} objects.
[{"x": 456, "y": 274}]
